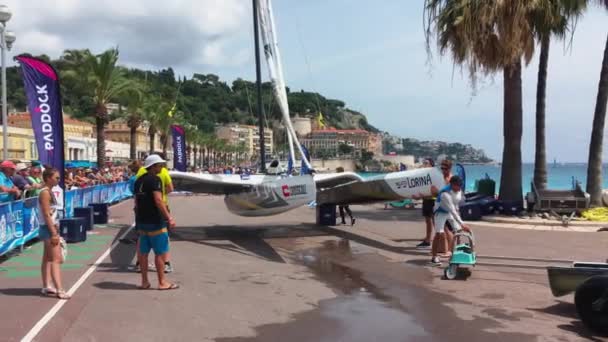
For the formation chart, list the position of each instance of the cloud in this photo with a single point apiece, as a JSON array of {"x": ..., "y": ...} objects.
[{"x": 182, "y": 33}]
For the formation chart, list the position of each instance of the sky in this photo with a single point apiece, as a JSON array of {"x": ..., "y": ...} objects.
[{"x": 370, "y": 54}]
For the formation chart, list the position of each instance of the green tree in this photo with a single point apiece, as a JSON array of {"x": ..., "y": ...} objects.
[
  {"x": 104, "y": 80},
  {"x": 487, "y": 37},
  {"x": 345, "y": 149},
  {"x": 594, "y": 167},
  {"x": 550, "y": 18}
]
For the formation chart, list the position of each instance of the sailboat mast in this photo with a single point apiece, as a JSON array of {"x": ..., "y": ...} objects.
[{"x": 258, "y": 79}]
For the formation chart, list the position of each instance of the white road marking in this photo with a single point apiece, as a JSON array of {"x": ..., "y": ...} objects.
[{"x": 60, "y": 303}]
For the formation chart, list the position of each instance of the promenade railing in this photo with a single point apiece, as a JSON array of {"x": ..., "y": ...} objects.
[{"x": 19, "y": 221}]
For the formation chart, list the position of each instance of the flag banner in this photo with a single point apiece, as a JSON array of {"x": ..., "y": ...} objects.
[
  {"x": 44, "y": 103},
  {"x": 179, "y": 148}
]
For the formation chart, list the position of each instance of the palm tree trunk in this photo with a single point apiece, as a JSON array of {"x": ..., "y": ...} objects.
[
  {"x": 133, "y": 142},
  {"x": 540, "y": 158},
  {"x": 151, "y": 135},
  {"x": 594, "y": 168},
  {"x": 195, "y": 157},
  {"x": 510, "y": 178},
  {"x": 101, "y": 141},
  {"x": 164, "y": 139}
]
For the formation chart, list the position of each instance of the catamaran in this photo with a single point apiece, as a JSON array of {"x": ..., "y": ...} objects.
[{"x": 267, "y": 194}]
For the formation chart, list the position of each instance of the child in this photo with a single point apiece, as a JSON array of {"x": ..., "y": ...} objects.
[{"x": 446, "y": 210}]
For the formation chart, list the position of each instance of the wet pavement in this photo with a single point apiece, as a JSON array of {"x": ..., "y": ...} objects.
[{"x": 283, "y": 278}]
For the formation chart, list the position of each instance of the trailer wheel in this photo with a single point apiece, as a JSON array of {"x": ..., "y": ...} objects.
[{"x": 591, "y": 299}]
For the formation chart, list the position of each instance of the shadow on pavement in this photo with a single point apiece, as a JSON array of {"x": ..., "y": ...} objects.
[
  {"x": 111, "y": 285},
  {"x": 561, "y": 308},
  {"x": 21, "y": 292},
  {"x": 372, "y": 242},
  {"x": 579, "y": 328},
  {"x": 246, "y": 238}
]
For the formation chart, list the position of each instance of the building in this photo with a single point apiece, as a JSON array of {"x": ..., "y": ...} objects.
[
  {"x": 375, "y": 143},
  {"x": 236, "y": 134},
  {"x": 21, "y": 143},
  {"x": 119, "y": 131},
  {"x": 80, "y": 142},
  {"x": 329, "y": 140},
  {"x": 71, "y": 127},
  {"x": 407, "y": 160},
  {"x": 302, "y": 125}
]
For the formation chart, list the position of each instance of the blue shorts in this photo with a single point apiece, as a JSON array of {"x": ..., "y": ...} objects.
[{"x": 153, "y": 237}]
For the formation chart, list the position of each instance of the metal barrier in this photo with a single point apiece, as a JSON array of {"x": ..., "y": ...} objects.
[{"x": 19, "y": 219}]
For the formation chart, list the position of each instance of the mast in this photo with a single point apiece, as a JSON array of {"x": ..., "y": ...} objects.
[{"x": 258, "y": 79}]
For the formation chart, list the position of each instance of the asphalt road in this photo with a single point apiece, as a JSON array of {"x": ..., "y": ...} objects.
[{"x": 283, "y": 278}]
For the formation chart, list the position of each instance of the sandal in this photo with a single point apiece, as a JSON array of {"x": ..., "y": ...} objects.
[
  {"x": 145, "y": 287},
  {"x": 48, "y": 291},
  {"x": 61, "y": 294},
  {"x": 171, "y": 287}
]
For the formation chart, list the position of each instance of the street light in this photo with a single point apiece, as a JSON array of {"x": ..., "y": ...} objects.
[{"x": 6, "y": 41}]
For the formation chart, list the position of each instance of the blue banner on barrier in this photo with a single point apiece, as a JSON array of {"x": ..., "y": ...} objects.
[
  {"x": 69, "y": 203},
  {"x": 19, "y": 221},
  {"x": 31, "y": 223},
  {"x": 11, "y": 226}
]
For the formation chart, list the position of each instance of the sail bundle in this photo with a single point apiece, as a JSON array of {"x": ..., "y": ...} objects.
[{"x": 275, "y": 70}]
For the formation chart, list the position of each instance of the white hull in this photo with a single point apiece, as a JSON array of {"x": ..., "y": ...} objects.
[{"x": 273, "y": 196}]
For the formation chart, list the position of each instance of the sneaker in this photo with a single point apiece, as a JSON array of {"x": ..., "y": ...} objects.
[
  {"x": 423, "y": 245},
  {"x": 435, "y": 261},
  {"x": 137, "y": 268},
  {"x": 168, "y": 267}
]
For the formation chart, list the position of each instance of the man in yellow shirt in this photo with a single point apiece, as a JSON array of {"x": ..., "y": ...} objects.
[
  {"x": 167, "y": 185},
  {"x": 165, "y": 180}
]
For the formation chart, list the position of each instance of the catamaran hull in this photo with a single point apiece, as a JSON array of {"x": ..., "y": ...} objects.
[{"x": 273, "y": 196}]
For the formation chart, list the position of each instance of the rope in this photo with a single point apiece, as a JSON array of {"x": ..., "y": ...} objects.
[{"x": 596, "y": 214}]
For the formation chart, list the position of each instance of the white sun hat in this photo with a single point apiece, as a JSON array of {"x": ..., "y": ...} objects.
[{"x": 153, "y": 159}]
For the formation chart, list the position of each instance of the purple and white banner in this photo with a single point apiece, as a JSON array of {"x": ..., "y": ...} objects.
[
  {"x": 179, "y": 148},
  {"x": 44, "y": 104}
]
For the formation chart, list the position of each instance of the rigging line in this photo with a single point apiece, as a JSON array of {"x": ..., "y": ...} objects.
[{"x": 306, "y": 60}]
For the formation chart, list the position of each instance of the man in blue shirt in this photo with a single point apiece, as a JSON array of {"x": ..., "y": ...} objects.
[{"x": 8, "y": 190}]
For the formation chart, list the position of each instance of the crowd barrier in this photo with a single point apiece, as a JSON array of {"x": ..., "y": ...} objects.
[{"x": 19, "y": 219}]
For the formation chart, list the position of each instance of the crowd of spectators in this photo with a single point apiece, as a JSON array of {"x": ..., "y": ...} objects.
[
  {"x": 80, "y": 177},
  {"x": 20, "y": 180}
]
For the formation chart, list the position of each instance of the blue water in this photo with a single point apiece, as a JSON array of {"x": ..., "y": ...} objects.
[{"x": 559, "y": 176}]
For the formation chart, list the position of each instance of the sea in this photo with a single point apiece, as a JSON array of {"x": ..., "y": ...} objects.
[{"x": 560, "y": 176}]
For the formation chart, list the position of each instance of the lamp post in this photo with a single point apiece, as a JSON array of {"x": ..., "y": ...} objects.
[{"x": 6, "y": 41}]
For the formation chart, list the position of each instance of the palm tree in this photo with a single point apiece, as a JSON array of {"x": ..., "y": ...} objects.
[
  {"x": 159, "y": 122},
  {"x": 550, "y": 18},
  {"x": 487, "y": 37},
  {"x": 594, "y": 167},
  {"x": 108, "y": 81},
  {"x": 134, "y": 117}
]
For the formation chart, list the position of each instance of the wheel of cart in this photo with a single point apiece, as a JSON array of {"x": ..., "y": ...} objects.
[
  {"x": 462, "y": 255},
  {"x": 591, "y": 299}
]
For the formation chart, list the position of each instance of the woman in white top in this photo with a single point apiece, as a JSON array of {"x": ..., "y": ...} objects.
[{"x": 49, "y": 234}]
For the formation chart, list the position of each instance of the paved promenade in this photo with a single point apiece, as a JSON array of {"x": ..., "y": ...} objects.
[{"x": 282, "y": 278}]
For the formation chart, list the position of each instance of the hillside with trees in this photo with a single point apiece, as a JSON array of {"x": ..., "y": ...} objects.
[{"x": 203, "y": 100}]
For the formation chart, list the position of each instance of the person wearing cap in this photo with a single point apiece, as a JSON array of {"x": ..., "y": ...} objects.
[
  {"x": 167, "y": 187},
  {"x": 35, "y": 180},
  {"x": 152, "y": 218},
  {"x": 9, "y": 192},
  {"x": 20, "y": 177}
]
